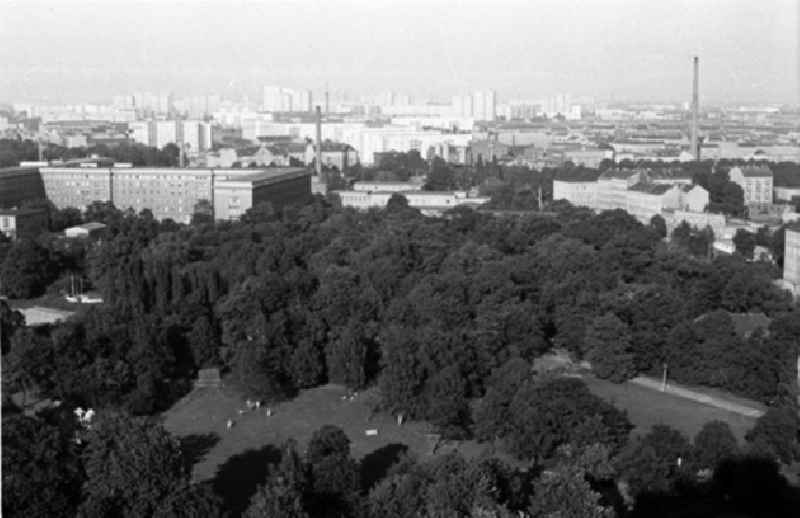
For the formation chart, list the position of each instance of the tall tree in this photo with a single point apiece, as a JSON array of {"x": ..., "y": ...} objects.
[
  {"x": 608, "y": 348},
  {"x": 132, "y": 466},
  {"x": 745, "y": 243},
  {"x": 655, "y": 461},
  {"x": 334, "y": 474},
  {"x": 286, "y": 492},
  {"x": 776, "y": 434},
  {"x": 713, "y": 443},
  {"x": 42, "y": 472},
  {"x": 26, "y": 270}
]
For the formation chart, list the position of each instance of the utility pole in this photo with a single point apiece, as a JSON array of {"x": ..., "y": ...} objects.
[{"x": 664, "y": 380}]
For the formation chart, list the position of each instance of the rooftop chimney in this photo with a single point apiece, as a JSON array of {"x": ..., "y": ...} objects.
[
  {"x": 319, "y": 143},
  {"x": 695, "y": 108}
]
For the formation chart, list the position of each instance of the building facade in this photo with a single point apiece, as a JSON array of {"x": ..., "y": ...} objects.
[
  {"x": 579, "y": 193},
  {"x": 376, "y": 186},
  {"x": 430, "y": 203},
  {"x": 756, "y": 182},
  {"x": 170, "y": 193},
  {"x": 791, "y": 259},
  {"x": 281, "y": 187},
  {"x": 166, "y": 133},
  {"x": 633, "y": 193}
]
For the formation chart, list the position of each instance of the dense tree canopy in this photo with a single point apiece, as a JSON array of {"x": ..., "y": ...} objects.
[
  {"x": 132, "y": 467},
  {"x": 42, "y": 472}
]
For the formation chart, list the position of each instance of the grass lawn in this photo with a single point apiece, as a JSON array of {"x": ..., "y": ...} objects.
[
  {"x": 647, "y": 407},
  {"x": 237, "y": 459}
]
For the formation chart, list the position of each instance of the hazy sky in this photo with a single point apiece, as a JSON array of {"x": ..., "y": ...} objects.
[{"x": 73, "y": 50}]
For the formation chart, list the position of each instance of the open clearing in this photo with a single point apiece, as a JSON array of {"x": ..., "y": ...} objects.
[
  {"x": 647, "y": 407},
  {"x": 205, "y": 412},
  {"x": 236, "y": 461}
]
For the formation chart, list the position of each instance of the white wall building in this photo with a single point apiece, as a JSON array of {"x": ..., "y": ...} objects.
[
  {"x": 166, "y": 133},
  {"x": 386, "y": 186},
  {"x": 484, "y": 105},
  {"x": 140, "y": 132},
  {"x": 786, "y": 193},
  {"x": 756, "y": 182},
  {"x": 641, "y": 199},
  {"x": 430, "y": 203},
  {"x": 197, "y": 135},
  {"x": 579, "y": 193}
]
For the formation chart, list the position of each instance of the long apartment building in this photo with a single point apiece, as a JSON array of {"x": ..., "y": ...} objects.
[
  {"x": 633, "y": 192},
  {"x": 173, "y": 193}
]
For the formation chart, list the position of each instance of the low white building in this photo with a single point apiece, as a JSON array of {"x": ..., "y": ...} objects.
[
  {"x": 786, "y": 193},
  {"x": 698, "y": 220},
  {"x": 643, "y": 201},
  {"x": 387, "y": 186},
  {"x": 582, "y": 193},
  {"x": 430, "y": 203}
]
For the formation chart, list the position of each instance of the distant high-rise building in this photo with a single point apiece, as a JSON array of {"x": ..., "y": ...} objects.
[
  {"x": 123, "y": 101},
  {"x": 279, "y": 99},
  {"x": 462, "y": 105},
  {"x": 165, "y": 103},
  {"x": 190, "y": 135},
  {"x": 196, "y": 136},
  {"x": 141, "y": 133},
  {"x": 484, "y": 105},
  {"x": 166, "y": 133},
  {"x": 273, "y": 99},
  {"x": 301, "y": 101},
  {"x": 387, "y": 98}
]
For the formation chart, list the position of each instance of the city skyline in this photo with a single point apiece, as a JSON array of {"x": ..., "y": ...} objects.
[{"x": 520, "y": 50}]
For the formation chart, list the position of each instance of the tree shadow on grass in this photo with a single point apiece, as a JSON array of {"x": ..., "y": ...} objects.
[
  {"x": 375, "y": 465},
  {"x": 238, "y": 479},
  {"x": 195, "y": 446}
]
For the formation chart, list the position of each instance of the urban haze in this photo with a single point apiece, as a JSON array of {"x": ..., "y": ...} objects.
[{"x": 370, "y": 259}]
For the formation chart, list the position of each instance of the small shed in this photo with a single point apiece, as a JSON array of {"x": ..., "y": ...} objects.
[{"x": 208, "y": 378}]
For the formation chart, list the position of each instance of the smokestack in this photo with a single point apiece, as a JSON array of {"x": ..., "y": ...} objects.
[
  {"x": 319, "y": 143},
  {"x": 695, "y": 109},
  {"x": 327, "y": 101}
]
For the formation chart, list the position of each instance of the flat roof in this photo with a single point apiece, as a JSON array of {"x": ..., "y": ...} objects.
[
  {"x": 378, "y": 182},
  {"x": 14, "y": 171},
  {"x": 751, "y": 171},
  {"x": 266, "y": 176}
]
